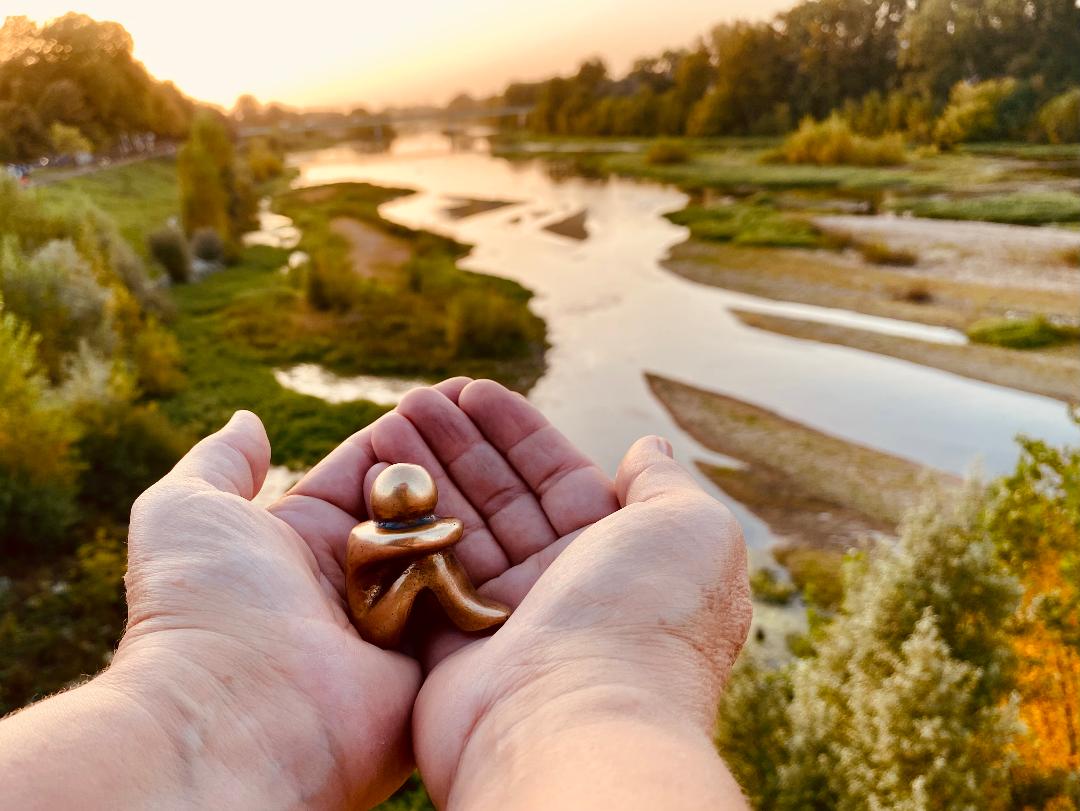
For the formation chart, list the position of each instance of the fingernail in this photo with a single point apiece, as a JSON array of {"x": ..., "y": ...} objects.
[{"x": 663, "y": 446}]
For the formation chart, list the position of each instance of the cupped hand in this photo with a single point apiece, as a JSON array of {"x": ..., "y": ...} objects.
[
  {"x": 630, "y": 595},
  {"x": 238, "y": 643}
]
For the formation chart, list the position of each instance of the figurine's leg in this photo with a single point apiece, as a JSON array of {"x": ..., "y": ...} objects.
[
  {"x": 467, "y": 609},
  {"x": 384, "y": 622}
]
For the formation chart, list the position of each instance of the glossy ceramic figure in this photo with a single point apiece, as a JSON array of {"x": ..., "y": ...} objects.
[{"x": 404, "y": 550}]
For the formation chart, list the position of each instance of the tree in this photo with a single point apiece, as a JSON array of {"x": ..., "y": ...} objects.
[
  {"x": 67, "y": 140},
  {"x": 904, "y": 702},
  {"x": 215, "y": 192}
]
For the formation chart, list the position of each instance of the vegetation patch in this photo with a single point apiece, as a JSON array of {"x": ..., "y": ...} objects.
[
  {"x": 430, "y": 318},
  {"x": 1021, "y": 333},
  {"x": 749, "y": 224},
  {"x": 667, "y": 152},
  {"x": 1020, "y": 208},
  {"x": 833, "y": 143},
  {"x": 878, "y": 253}
]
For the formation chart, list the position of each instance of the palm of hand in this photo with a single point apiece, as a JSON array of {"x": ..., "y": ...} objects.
[
  {"x": 269, "y": 582},
  {"x": 251, "y": 597}
]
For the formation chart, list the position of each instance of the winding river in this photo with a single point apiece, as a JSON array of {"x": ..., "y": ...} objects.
[{"x": 613, "y": 314}]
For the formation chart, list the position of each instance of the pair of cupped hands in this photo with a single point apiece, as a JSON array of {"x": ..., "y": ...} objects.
[{"x": 630, "y": 604}]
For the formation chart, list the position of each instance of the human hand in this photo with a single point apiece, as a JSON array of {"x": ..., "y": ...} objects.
[
  {"x": 238, "y": 643},
  {"x": 625, "y": 617}
]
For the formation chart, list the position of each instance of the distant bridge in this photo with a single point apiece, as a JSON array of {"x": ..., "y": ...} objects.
[{"x": 315, "y": 122}]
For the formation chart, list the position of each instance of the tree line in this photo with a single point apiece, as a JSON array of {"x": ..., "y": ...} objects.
[
  {"x": 886, "y": 65},
  {"x": 72, "y": 84}
]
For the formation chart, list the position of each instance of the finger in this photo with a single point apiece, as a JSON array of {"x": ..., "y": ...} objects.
[
  {"x": 324, "y": 528},
  {"x": 369, "y": 482},
  {"x": 452, "y": 387},
  {"x": 395, "y": 439},
  {"x": 481, "y": 473},
  {"x": 339, "y": 477},
  {"x": 233, "y": 460},
  {"x": 572, "y": 490},
  {"x": 648, "y": 471}
]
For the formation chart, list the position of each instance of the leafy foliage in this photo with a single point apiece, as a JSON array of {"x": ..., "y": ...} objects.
[
  {"x": 1021, "y": 333},
  {"x": 71, "y": 85},
  {"x": 831, "y": 142}
]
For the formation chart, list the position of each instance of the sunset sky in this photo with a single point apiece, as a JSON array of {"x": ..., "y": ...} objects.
[{"x": 326, "y": 53}]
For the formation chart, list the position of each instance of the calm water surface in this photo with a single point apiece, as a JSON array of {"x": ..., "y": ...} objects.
[{"x": 613, "y": 314}]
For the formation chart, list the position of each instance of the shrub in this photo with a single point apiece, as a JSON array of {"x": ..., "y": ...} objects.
[
  {"x": 769, "y": 588},
  {"x": 665, "y": 153},
  {"x": 879, "y": 253},
  {"x": 832, "y": 142},
  {"x": 37, "y": 468},
  {"x": 1059, "y": 118},
  {"x": 170, "y": 248},
  {"x": 753, "y": 225},
  {"x": 155, "y": 354},
  {"x": 1021, "y": 333},
  {"x": 208, "y": 245},
  {"x": 54, "y": 630},
  {"x": 55, "y": 292},
  {"x": 816, "y": 573},
  {"x": 1019, "y": 208},
  {"x": 976, "y": 112},
  {"x": 128, "y": 446},
  {"x": 484, "y": 324},
  {"x": 263, "y": 161}
]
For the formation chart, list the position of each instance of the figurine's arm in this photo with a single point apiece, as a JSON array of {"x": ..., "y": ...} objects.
[{"x": 367, "y": 547}]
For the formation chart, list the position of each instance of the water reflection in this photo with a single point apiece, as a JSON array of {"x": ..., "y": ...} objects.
[{"x": 613, "y": 314}]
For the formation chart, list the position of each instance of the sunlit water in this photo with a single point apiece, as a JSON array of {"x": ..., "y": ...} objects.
[{"x": 613, "y": 314}]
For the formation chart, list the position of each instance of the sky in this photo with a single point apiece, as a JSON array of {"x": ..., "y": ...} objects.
[{"x": 341, "y": 54}]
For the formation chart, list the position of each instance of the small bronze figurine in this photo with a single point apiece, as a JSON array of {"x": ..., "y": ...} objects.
[{"x": 403, "y": 551}]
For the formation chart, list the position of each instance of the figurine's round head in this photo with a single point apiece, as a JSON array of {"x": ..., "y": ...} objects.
[{"x": 403, "y": 494}]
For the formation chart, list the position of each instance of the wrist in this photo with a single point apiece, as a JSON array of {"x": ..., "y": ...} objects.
[
  {"x": 565, "y": 744},
  {"x": 540, "y": 716},
  {"x": 206, "y": 730}
]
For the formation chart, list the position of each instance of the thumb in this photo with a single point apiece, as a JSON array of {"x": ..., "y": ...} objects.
[
  {"x": 233, "y": 460},
  {"x": 648, "y": 471}
]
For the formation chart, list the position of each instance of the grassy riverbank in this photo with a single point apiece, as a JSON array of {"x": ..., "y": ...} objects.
[{"x": 424, "y": 317}]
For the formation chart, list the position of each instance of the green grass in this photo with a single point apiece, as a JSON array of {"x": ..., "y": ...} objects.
[
  {"x": 769, "y": 588},
  {"x": 1020, "y": 208},
  {"x": 749, "y": 224},
  {"x": 140, "y": 196},
  {"x": 742, "y": 170},
  {"x": 226, "y": 374},
  {"x": 432, "y": 319},
  {"x": 1021, "y": 333}
]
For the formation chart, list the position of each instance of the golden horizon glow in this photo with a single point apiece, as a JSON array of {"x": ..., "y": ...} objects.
[{"x": 342, "y": 55}]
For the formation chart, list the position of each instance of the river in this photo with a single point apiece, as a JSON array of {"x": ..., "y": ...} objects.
[{"x": 613, "y": 314}]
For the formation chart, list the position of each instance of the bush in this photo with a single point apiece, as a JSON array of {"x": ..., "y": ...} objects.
[
  {"x": 56, "y": 629},
  {"x": 1059, "y": 118},
  {"x": 665, "y": 153},
  {"x": 127, "y": 446},
  {"x": 749, "y": 224},
  {"x": 977, "y": 112},
  {"x": 769, "y": 588},
  {"x": 1021, "y": 333},
  {"x": 169, "y": 247},
  {"x": 37, "y": 468},
  {"x": 879, "y": 253},
  {"x": 484, "y": 324},
  {"x": 1019, "y": 208},
  {"x": 816, "y": 573},
  {"x": 208, "y": 245},
  {"x": 832, "y": 143},
  {"x": 156, "y": 357}
]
